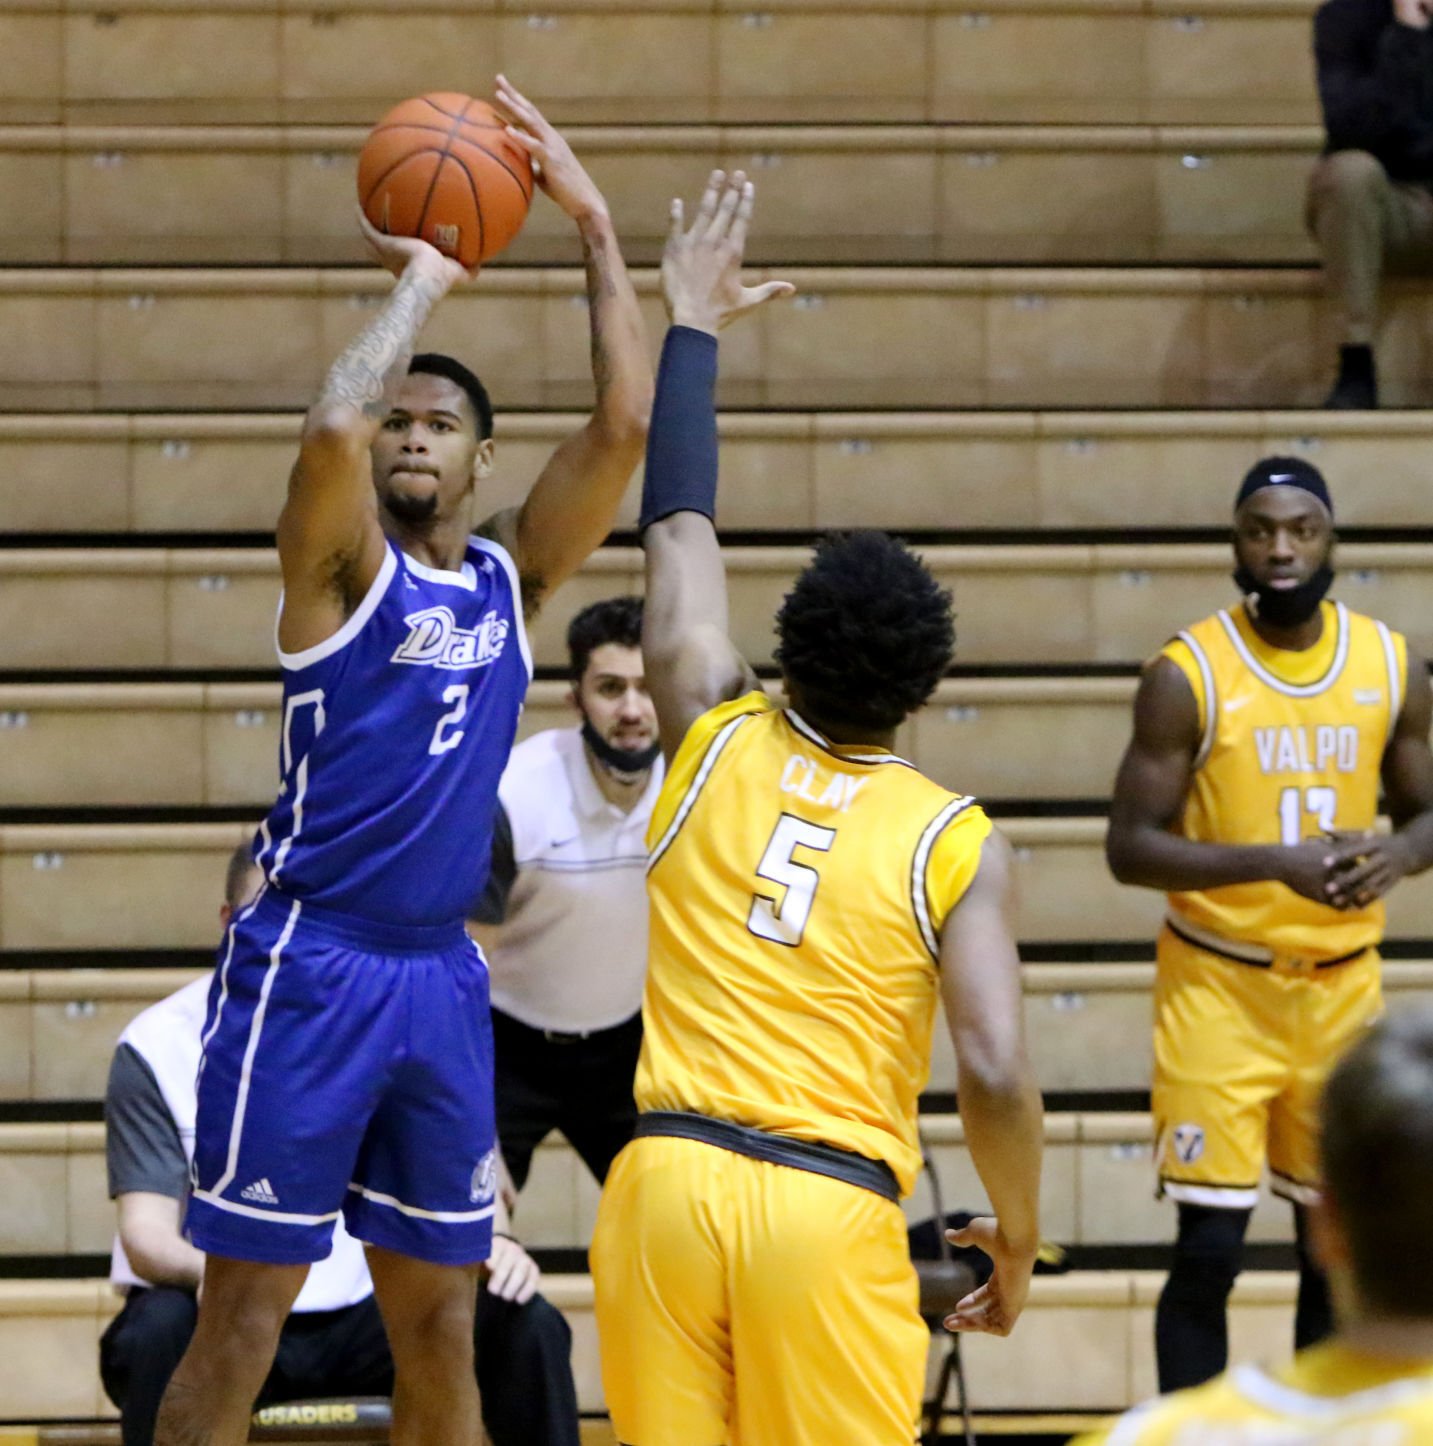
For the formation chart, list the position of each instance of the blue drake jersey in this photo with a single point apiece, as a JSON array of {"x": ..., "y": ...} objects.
[{"x": 396, "y": 731}]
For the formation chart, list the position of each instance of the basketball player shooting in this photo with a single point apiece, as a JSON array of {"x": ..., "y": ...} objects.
[
  {"x": 347, "y": 1062},
  {"x": 811, "y": 896}
]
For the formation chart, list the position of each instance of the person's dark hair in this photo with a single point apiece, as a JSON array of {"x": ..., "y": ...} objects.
[
  {"x": 240, "y": 862},
  {"x": 613, "y": 620},
  {"x": 1378, "y": 1161},
  {"x": 865, "y": 632},
  {"x": 435, "y": 364}
]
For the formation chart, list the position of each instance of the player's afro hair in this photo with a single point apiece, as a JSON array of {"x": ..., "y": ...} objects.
[{"x": 866, "y": 632}]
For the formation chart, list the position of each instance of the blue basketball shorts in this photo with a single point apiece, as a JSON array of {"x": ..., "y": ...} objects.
[{"x": 347, "y": 1067}]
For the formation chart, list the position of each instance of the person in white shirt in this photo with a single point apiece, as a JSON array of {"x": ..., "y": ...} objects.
[
  {"x": 562, "y": 917},
  {"x": 333, "y": 1343}
]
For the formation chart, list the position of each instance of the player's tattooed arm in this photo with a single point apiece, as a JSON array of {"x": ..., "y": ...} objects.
[
  {"x": 573, "y": 504},
  {"x": 330, "y": 542},
  {"x": 368, "y": 374}
]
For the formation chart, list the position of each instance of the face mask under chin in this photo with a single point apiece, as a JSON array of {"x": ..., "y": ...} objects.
[
  {"x": 619, "y": 760},
  {"x": 1284, "y": 608}
]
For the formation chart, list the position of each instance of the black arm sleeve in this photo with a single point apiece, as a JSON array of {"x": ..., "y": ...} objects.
[
  {"x": 1376, "y": 85},
  {"x": 142, "y": 1145},
  {"x": 491, "y": 904}
]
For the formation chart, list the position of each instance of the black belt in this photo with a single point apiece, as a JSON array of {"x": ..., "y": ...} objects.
[
  {"x": 845, "y": 1165},
  {"x": 1233, "y": 958}
]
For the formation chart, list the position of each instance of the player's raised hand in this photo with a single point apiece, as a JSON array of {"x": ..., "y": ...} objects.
[
  {"x": 994, "y": 1307},
  {"x": 558, "y": 171},
  {"x": 701, "y": 267},
  {"x": 398, "y": 253}
]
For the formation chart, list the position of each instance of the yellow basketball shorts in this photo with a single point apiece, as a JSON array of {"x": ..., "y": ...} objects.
[
  {"x": 741, "y": 1303},
  {"x": 1240, "y": 1056}
]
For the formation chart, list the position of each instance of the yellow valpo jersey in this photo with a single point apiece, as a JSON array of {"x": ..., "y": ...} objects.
[
  {"x": 797, "y": 896},
  {"x": 1328, "y": 1396},
  {"x": 1292, "y": 744}
]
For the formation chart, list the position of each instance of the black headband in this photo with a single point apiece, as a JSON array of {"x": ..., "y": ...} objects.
[{"x": 1285, "y": 472}]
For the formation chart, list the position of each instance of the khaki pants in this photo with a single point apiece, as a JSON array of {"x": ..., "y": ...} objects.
[{"x": 1365, "y": 223}]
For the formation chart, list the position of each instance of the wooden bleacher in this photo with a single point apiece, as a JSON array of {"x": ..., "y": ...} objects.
[{"x": 185, "y": 268}]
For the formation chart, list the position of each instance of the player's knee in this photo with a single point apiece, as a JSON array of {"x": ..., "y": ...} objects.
[
  {"x": 1347, "y": 177},
  {"x": 434, "y": 1336},
  {"x": 1208, "y": 1252}
]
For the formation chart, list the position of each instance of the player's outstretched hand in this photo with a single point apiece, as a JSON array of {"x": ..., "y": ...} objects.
[
  {"x": 558, "y": 171},
  {"x": 701, "y": 267},
  {"x": 994, "y": 1307},
  {"x": 398, "y": 253},
  {"x": 512, "y": 1273}
]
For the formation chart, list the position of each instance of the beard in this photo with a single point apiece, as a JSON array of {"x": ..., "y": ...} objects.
[
  {"x": 619, "y": 760},
  {"x": 411, "y": 511},
  {"x": 1284, "y": 607}
]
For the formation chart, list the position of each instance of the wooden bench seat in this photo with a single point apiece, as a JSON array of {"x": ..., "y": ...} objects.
[
  {"x": 263, "y": 195},
  {"x": 780, "y": 470},
  {"x": 153, "y": 886},
  {"x": 1088, "y": 1024},
  {"x": 270, "y": 61},
  {"x": 903, "y": 337},
  {"x": 63, "y": 609},
  {"x": 1084, "y": 1343}
]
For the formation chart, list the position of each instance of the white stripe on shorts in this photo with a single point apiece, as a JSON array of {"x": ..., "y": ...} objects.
[
  {"x": 443, "y": 1217},
  {"x": 252, "y": 1212}
]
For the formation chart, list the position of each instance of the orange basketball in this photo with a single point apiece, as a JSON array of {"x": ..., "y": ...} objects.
[{"x": 443, "y": 167}]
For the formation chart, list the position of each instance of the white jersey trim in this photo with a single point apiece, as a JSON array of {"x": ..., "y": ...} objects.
[
  {"x": 497, "y": 550},
  {"x": 314, "y": 697},
  {"x": 443, "y": 1217},
  {"x": 1219, "y": 1197},
  {"x": 1211, "y": 698},
  {"x": 466, "y": 577},
  {"x": 1292, "y": 690},
  {"x": 919, "y": 898},
  {"x": 821, "y": 741},
  {"x": 294, "y": 662},
  {"x": 689, "y": 799},
  {"x": 256, "y": 1029},
  {"x": 1265, "y": 1391},
  {"x": 1395, "y": 676}
]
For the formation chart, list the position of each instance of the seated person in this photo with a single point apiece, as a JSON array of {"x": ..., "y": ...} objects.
[
  {"x": 333, "y": 1343},
  {"x": 1372, "y": 1382}
]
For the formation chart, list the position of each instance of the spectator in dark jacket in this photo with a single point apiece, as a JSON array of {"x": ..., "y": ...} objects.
[{"x": 1371, "y": 196}]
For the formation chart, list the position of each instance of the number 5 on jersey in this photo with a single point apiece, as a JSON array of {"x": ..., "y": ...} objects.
[{"x": 782, "y": 919}]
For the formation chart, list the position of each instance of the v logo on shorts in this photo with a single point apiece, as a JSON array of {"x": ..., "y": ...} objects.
[{"x": 261, "y": 1192}]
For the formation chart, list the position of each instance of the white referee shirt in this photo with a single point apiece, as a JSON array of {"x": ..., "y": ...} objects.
[{"x": 572, "y": 955}]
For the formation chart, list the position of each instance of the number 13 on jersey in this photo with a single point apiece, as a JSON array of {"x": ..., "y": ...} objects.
[{"x": 782, "y": 917}]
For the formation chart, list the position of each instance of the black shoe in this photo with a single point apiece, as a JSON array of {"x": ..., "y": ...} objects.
[{"x": 1357, "y": 387}]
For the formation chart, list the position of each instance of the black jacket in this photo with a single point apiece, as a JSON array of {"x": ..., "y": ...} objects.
[{"x": 1376, "y": 85}]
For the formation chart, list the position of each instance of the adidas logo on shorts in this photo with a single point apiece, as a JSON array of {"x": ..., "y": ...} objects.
[{"x": 261, "y": 1192}]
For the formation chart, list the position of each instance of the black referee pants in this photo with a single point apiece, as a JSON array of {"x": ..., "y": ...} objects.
[
  {"x": 524, "y": 1366},
  {"x": 581, "y": 1086}
]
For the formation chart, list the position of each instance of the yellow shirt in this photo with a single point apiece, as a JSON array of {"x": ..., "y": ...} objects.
[
  {"x": 1328, "y": 1396},
  {"x": 1292, "y": 746},
  {"x": 797, "y": 892}
]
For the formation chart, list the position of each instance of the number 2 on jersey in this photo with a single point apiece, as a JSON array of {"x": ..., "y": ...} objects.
[
  {"x": 784, "y": 922},
  {"x": 1294, "y": 803},
  {"x": 457, "y": 695}
]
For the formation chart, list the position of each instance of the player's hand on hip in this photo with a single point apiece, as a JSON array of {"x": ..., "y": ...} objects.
[
  {"x": 994, "y": 1307},
  {"x": 400, "y": 254},
  {"x": 512, "y": 1273},
  {"x": 701, "y": 267},
  {"x": 558, "y": 171},
  {"x": 1365, "y": 868}
]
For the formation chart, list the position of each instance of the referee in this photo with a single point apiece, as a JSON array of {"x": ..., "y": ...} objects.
[{"x": 563, "y": 916}]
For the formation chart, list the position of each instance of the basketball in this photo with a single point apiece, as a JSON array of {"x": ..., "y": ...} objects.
[{"x": 442, "y": 167}]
